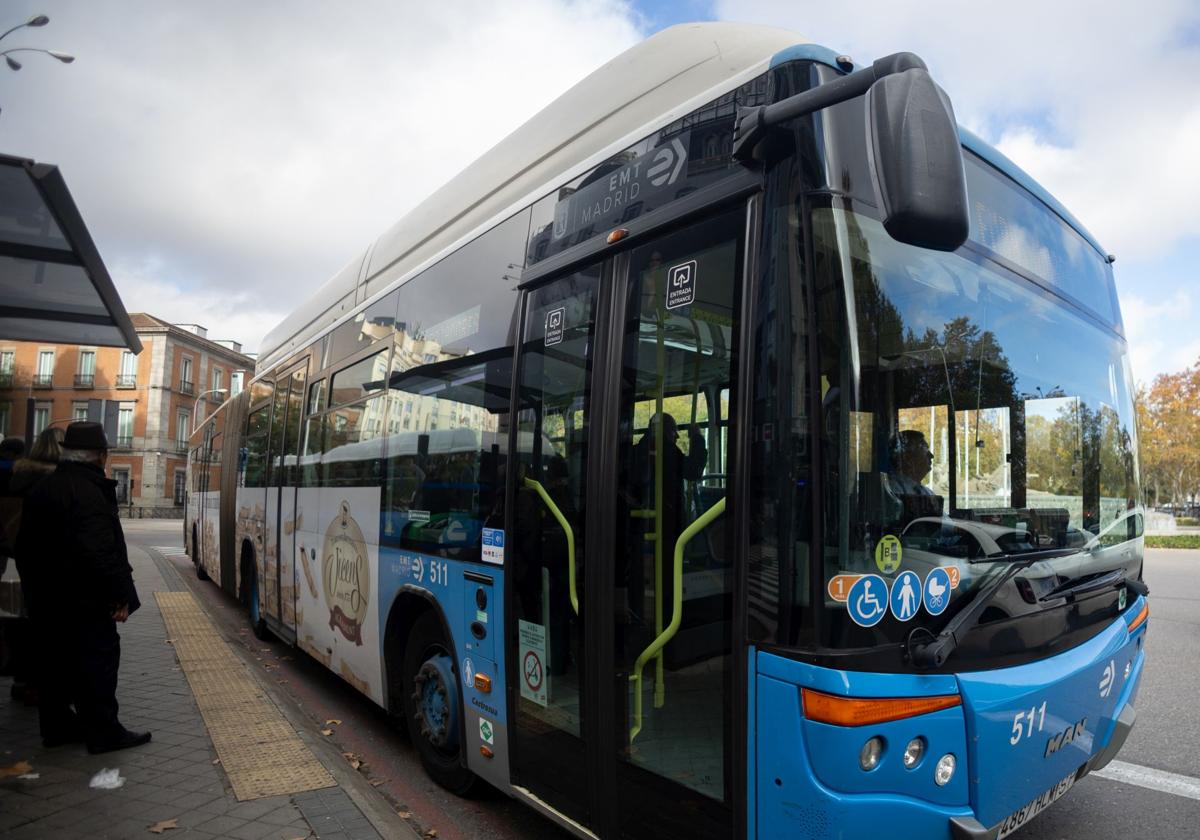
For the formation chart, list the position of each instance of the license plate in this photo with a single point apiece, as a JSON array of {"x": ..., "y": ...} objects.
[{"x": 1021, "y": 816}]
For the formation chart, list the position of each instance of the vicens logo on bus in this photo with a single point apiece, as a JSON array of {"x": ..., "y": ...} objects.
[
  {"x": 346, "y": 574},
  {"x": 1071, "y": 733}
]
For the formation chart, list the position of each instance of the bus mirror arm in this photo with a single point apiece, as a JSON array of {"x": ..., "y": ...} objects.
[
  {"x": 913, "y": 149},
  {"x": 751, "y": 124}
]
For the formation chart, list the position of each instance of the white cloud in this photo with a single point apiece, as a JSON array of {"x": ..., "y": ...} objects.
[
  {"x": 1095, "y": 100},
  {"x": 1162, "y": 333},
  {"x": 229, "y": 157}
]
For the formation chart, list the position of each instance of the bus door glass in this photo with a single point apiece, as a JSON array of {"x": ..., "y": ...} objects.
[
  {"x": 673, "y": 572},
  {"x": 279, "y": 552},
  {"x": 548, "y": 541}
]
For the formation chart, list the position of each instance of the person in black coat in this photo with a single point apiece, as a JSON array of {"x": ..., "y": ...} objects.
[{"x": 78, "y": 584}]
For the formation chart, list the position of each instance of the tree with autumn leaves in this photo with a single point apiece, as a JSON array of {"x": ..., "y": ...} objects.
[{"x": 1169, "y": 428}]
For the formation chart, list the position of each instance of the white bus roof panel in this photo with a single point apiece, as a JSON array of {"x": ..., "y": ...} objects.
[{"x": 652, "y": 82}]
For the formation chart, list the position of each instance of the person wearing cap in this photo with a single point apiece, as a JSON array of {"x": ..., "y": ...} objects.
[{"x": 78, "y": 584}]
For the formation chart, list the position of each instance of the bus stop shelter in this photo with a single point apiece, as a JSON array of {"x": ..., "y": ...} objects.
[{"x": 53, "y": 285}]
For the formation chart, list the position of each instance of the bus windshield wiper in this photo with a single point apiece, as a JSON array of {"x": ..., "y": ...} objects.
[
  {"x": 1107, "y": 580},
  {"x": 935, "y": 652}
]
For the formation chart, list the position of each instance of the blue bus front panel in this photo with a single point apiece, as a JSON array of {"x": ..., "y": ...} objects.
[{"x": 808, "y": 777}]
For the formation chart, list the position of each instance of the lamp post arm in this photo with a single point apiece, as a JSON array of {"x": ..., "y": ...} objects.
[{"x": 196, "y": 405}]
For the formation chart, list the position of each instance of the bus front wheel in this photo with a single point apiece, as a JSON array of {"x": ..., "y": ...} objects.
[
  {"x": 249, "y": 592},
  {"x": 431, "y": 705}
]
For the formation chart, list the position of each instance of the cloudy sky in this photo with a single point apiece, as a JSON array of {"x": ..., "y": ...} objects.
[{"x": 229, "y": 157}]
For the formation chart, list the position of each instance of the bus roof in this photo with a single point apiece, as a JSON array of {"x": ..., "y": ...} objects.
[{"x": 656, "y": 81}]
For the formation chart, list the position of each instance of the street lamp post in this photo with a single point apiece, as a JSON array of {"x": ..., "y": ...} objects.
[
  {"x": 196, "y": 404},
  {"x": 36, "y": 20}
]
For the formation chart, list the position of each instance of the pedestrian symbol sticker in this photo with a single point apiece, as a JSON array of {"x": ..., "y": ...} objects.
[
  {"x": 906, "y": 595},
  {"x": 468, "y": 672},
  {"x": 887, "y": 554},
  {"x": 681, "y": 284},
  {"x": 555, "y": 323},
  {"x": 867, "y": 602},
  {"x": 487, "y": 732},
  {"x": 937, "y": 591}
]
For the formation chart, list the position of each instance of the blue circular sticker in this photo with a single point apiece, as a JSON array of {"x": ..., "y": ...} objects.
[
  {"x": 867, "y": 602},
  {"x": 937, "y": 591},
  {"x": 906, "y": 595}
]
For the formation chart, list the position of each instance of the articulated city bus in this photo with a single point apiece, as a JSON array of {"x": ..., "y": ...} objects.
[{"x": 739, "y": 448}]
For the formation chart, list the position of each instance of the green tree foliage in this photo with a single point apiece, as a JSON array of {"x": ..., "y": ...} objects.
[{"x": 1169, "y": 429}]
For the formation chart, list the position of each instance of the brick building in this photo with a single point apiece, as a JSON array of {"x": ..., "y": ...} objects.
[{"x": 158, "y": 394}]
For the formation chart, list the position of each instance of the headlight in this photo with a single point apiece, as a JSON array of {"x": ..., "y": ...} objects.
[
  {"x": 914, "y": 752},
  {"x": 944, "y": 772},
  {"x": 868, "y": 756}
]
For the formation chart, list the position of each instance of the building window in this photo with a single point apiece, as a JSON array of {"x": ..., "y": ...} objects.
[
  {"x": 186, "y": 384},
  {"x": 182, "y": 431},
  {"x": 125, "y": 426},
  {"x": 235, "y": 383},
  {"x": 180, "y": 485},
  {"x": 5, "y": 410},
  {"x": 217, "y": 376},
  {"x": 44, "y": 376},
  {"x": 41, "y": 417},
  {"x": 7, "y": 360},
  {"x": 79, "y": 411},
  {"x": 127, "y": 378},
  {"x": 86, "y": 375},
  {"x": 121, "y": 476}
]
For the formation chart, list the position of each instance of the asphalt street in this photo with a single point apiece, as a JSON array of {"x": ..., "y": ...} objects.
[{"x": 1163, "y": 752}]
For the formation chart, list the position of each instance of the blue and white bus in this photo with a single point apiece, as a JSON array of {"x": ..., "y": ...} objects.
[{"x": 738, "y": 449}]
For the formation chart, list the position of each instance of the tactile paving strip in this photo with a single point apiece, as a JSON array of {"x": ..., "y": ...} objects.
[{"x": 259, "y": 750}]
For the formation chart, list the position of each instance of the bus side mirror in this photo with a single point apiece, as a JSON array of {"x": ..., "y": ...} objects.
[{"x": 916, "y": 161}]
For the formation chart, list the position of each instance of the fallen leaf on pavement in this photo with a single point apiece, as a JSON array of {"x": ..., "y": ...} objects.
[
  {"x": 377, "y": 782},
  {"x": 163, "y": 825},
  {"x": 333, "y": 722},
  {"x": 216, "y": 761},
  {"x": 18, "y": 769},
  {"x": 354, "y": 760},
  {"x": 326, "y": 732},
  {"x": 431, "y": 832},
  {"x": 404, "y": 814}
]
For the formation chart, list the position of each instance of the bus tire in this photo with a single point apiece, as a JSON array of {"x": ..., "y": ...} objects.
[
  {"x": 200, "y": 573},
  {"x": 249, "y": 592},
  {"x": 431, "y": 704}
]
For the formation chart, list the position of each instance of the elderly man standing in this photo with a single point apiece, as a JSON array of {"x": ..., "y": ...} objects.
[{"x": 78, "y": 584}]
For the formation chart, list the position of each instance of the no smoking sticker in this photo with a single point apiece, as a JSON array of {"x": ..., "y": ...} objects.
[{"x": 532, "y": 659}]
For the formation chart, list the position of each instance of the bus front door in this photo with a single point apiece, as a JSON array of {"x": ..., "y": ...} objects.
[{"x": 621, "y": 577}]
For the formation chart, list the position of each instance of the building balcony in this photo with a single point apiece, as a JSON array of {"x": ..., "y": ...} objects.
[
  {"x": 179, "y": 445},
  {"x": 126, "y": 380},
  {"x": 188, "y": 388},
  {"x": 85, "y": 380},
  {"x": 6, "y": 380},
  {"x": 43, "y": 380},
  {"x": 124, "y": 442}
]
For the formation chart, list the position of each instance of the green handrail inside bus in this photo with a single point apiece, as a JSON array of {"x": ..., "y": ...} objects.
[
  {"x": 671, "y": 629},
  {"x": 566, "y": 526}
]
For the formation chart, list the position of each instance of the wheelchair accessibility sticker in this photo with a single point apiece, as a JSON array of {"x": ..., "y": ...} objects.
[
  {"x": 937, "y": 591},
  {"x": 867, "y": 601}
]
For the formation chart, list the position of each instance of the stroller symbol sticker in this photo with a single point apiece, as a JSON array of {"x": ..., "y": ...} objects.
[
  {"x": 937, "y": 591},
  {"x": 867, "y": 602}
]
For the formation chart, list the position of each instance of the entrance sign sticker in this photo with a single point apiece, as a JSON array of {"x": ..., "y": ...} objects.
[
  {"x": 681, "y": 284},
  {"x": 531, "y": 655},
  {"x": 888, "y": 553},
  {"x": 555, "y": 323}
]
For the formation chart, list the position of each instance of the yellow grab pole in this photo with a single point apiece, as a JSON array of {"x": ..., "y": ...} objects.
[{"x": 566, "y": 526}]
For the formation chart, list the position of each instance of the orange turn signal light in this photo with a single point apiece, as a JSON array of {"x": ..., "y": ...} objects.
[
  {"x": 859, "y": 711},
  {"x": 1140, "y": 618},
  {"x": 483, "y": 683},
  {"x": 485, "y": 751},
  {"x": 617, "y": 235}
]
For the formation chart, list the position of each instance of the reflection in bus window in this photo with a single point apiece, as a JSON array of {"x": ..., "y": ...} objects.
[{"x": 359, "y": 379}]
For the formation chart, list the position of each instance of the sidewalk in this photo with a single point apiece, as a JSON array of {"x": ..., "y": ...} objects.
[{"x": 176, "y": 783}]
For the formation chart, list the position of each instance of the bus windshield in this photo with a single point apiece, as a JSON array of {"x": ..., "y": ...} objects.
[{"x": 969, "y": 416}]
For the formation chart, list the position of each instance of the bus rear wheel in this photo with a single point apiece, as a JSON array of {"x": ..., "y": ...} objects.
[
  {"x": 200, "y": 573},
  {"x": 431, "y": 705}
]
